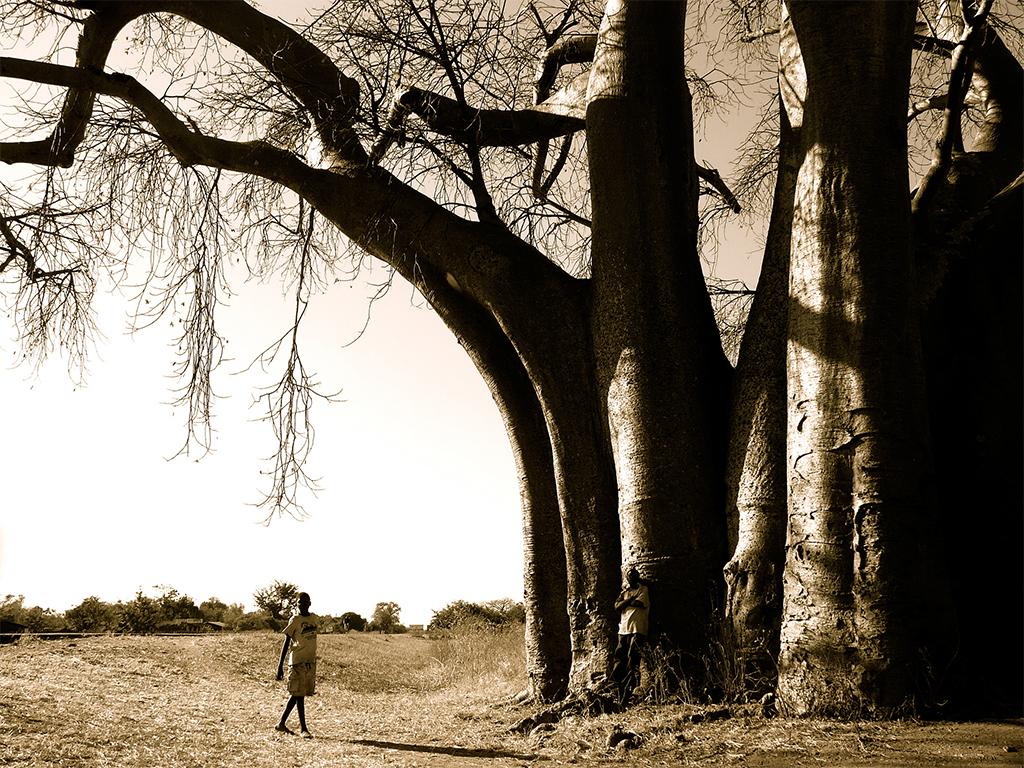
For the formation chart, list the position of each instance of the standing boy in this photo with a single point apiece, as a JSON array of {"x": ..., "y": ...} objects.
[
  {"x": 633, "y": 605},
  {"x": 300, "y": 637}
]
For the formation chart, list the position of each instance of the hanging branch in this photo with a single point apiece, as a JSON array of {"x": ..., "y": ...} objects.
[{"x": 289, "y": 403}]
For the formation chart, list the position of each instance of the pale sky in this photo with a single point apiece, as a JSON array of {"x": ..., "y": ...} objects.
[
  {"x": 419, "y": 502},
  {"x": 419, "y": 506}
]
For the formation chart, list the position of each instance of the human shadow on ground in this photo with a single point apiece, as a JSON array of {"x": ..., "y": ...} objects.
[{"x": 453, "y": 751}]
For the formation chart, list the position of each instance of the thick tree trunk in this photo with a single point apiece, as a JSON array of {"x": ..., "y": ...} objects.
[
  {"x": 564, "y": 379},
  {"x": 857, "y": 453},
  {"x": 660, "y": 364}
]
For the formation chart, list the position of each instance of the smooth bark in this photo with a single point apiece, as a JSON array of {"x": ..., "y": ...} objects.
[
  {"x": 659, "y": 361},
  {"x": 851, "y": 638}
]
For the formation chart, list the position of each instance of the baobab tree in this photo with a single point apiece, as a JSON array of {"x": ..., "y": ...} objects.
[{"x": 574, "y": 283}]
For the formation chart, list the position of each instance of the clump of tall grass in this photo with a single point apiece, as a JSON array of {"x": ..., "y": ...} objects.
[
  {"x": 725, "y": 674},
  {"x": 480, "y": 655}
]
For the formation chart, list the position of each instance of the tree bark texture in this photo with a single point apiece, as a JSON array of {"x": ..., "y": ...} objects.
[
  {"x": 548, "y": 654},
  {"x": 659, "y": 361},
  {"x": 857, "y": 446}
]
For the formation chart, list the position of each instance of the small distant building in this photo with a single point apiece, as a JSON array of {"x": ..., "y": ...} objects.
[
  {"x": 11, "y": 630},
  {"x": 191, "y": 626}
]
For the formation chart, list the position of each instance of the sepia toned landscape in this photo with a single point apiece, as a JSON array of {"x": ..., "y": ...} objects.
[
  {"x": 738, "y": 289},
  {"x": 401, "y": 700}
]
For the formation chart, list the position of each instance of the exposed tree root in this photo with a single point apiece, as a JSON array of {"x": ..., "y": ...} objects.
[{"x": 588, "y": 703}]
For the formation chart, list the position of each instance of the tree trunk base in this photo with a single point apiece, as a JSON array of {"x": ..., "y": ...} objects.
[{"x": 587, "y": 704}]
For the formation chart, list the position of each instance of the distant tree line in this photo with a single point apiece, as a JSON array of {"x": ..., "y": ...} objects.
[{"x": 275, "y": 603}]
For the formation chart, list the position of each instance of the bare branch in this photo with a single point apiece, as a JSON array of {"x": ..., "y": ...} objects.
[
  {"x": 578, "y": 49},
  {"x": 289, "y": 404},
  {"x": 938, "y": 101},
  {"x": 754, "y": 36},
  {"x": 330, "y": 98},
  {"x": 960, "y": 76},
  {"x": 188, "y": 147},
  {"x": 485, "y": 127},
  {"x": 712, "y": 177}
]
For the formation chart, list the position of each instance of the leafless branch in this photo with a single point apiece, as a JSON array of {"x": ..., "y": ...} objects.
[
  {"x": 960, "y": 76},
  {"x": 714, "y": 179},
  {"x": 750, "y": 37},
  {"x": 289, "y": 403},
  {"x": 485, "y": 127}
]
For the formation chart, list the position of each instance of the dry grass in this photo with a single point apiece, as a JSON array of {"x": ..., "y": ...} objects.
[{"x": 398, "y": 701}]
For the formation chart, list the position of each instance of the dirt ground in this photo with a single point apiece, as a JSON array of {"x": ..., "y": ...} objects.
[{"x": 391, "y": 701}]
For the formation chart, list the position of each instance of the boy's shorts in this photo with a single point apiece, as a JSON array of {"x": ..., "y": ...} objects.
[{"x": 302, "y": 679}]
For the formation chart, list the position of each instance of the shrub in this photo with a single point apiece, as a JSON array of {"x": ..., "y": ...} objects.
[
  {"x": 35, "y": 619},
  {"x": 233, "y": 614},
  {"x": 213, "y": 609},
  {"x": 42, "y": 620},
  {"x": 140, "y": 616},
  {"x": 93, "y": 615},
  {"x": 463, "y": 613},
  {"x": 248, "y": 622},
  {"x": 174, "y": 605},
  {"x": 354, "y": 621}
]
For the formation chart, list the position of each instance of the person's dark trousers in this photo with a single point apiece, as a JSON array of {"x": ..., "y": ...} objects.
[{"x": 626, "y": 666}]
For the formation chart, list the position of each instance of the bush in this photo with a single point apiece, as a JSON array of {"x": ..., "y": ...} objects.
[
  {"x": 35, "y": 619},
  {"x": 495, "y": 613},
  {"x": 248, "y": 622},
  {"x": 174, "y": 605},
  {"x": 93, "y": 615},
  {"x": 213, "y": 609},
  {"x": 353, "y": 621},
  {"x": 233, "y": 614},
  {"x": 141, "y": 616}
]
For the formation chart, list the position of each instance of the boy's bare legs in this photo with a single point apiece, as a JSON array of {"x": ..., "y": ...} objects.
[
  {"x": 288, "y": 710},
  {"x": 302, "y": 718}
]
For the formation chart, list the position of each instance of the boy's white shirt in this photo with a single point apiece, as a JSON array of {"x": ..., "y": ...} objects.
[{"x": 302, "y": 631}]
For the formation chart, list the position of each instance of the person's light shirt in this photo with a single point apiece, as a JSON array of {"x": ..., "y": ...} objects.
[
  {"x": 633, "y": 620},
  {"x": 302, "y": 631}
]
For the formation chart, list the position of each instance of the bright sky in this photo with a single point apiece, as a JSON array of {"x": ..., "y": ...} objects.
[
  {"x": 419, "y": 506},
  {"x": 420, "y": 502}
]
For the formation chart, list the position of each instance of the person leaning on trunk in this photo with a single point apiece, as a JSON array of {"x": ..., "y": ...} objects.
[
  {"x": 300, "y": 649},
  {"x": 633, "y": 605}
]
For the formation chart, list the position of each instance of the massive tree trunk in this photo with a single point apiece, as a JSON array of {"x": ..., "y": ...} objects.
[
  {"x": 857, "y": 453},
  {"x": 563, "y": 376},
  {"x": 659, "y": 361}
]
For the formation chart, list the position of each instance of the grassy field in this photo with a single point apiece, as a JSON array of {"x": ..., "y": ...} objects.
[{"x": 212, "y": 700}]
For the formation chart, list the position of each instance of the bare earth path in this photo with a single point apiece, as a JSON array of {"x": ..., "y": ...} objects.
[{"x": 211, "y": 701}]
